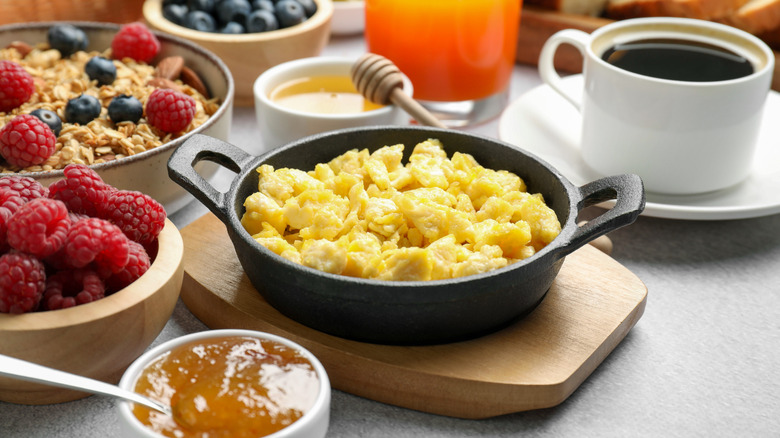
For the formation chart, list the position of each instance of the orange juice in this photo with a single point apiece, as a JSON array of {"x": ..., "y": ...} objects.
[{"x": 451, "y": 50}]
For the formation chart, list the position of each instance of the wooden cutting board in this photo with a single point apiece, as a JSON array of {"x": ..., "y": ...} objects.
[
  {"x": 535, "y": 363},
  {"x": 537, "y": 25}
]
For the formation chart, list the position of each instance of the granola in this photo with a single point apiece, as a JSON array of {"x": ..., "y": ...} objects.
[{"x": 59, "y": 79}]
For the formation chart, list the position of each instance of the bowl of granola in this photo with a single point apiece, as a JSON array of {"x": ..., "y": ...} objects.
[
  {"x": 269, "y": 37},
  {"x": 85, "y": 81}
]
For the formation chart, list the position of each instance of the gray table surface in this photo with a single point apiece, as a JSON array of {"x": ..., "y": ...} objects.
[{"x": 702, "y": 361}]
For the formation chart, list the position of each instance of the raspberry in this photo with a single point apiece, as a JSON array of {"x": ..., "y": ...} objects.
[
  {"x": 137, "y": 264},
  {"x": 28, "y": 188},
  {"x": 135, "y": 41},
  {"x": 70, "y": 288},
  {"x": 139, "y": 216},
  {"x": 26, "y": 141},
  {"x": 82, "y": 190},
  {"x": 96, "y": 240},
  {"x": 22, "y": 282},
  {"x": 39, "y": 227},
  {"x": 10, "y": 202},
  {"x": 16, "y": 86},
  {"x": 169, "y": 110}
]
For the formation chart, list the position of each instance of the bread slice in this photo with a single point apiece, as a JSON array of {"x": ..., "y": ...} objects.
[
  {"x": 593, "y": 8},
  {"x": 755, "y": 16},
  {"x": 701, "y": 9}
]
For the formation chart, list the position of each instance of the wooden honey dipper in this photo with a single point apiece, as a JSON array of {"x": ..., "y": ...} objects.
[{"x": 381, "y": 82}]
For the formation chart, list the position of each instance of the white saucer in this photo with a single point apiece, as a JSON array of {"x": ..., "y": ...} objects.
[{"x": 544, "y": 124}]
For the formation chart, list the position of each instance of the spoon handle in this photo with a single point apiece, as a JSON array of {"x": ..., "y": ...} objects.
[{"x": 20, "y": 369}]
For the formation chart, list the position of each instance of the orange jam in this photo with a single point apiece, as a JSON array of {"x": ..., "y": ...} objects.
[{"x": 228, "y": 387}]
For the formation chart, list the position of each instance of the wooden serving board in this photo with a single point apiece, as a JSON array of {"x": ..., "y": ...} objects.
[
  {"x": 537, "y": 25},
  {"x": 535, "y": 363}
]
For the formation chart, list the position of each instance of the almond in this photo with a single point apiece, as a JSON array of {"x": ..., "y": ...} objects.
[
  {"x": 169, "y": 67},
  {"x": 164, "y": 83},
  {"x": 189, "y": 77},
  {"x": 21, "y": 47}
]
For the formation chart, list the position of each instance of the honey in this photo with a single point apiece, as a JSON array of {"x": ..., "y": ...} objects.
[
  {"x": 231, "y": 386},
  {"x": 322, "y": 95}
]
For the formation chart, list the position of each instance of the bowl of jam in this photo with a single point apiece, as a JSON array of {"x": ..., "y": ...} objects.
[
  {"x": 228, "y": 383},
  {"x": 314, "y": 95}
]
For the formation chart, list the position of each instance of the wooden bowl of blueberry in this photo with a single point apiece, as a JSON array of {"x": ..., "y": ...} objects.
[
  {"x": 95, "y": 94},
  {"x": 250, "y": 36},
  {"x": 89, "y": 276}
]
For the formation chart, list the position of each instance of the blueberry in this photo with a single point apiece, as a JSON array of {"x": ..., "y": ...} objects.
[
  {"x": 124, "y": 108},
  {"x": 82, "y": 109},
  {"x": 309, "y": 7},
  {"x": 268, "y": 5},
  {"x": 233, "y": 28},
  {"x": 199, "y": 20},
  {"x": 175, "y": 13},
  {"x": 101, "y": 69},
  {"x": 66, "y": 38},
  {"x": 261, "y": 21},
  {"x": 50, "y": 118},
  {"x": 289, "y": 13},
  {"x": 173, "y": 2},
  {"x": 233, "y": 10},
  {"x": 207, "y": 6}
]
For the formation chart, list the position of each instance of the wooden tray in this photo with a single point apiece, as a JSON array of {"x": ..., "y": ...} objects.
[
  {"x": 537, "y": 25},
  {"x": 535, "y": 363}
]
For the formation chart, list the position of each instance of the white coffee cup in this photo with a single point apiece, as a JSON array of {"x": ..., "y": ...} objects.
[{"x": 679, "y": 136}]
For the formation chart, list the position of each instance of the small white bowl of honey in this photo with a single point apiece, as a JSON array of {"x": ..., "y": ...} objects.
[
  {"x": 231, "y": 383},
  {"x": 313, "y": 95}
]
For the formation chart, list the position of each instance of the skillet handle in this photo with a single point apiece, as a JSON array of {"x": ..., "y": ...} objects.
[
  {"x": 628, "y": 192},
  {"x": 202, "y": 147}
]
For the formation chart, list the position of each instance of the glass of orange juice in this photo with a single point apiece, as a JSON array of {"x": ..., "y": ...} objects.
[{"x": 458, "y": 54}]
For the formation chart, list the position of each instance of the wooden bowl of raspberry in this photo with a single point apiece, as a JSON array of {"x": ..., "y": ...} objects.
[
  {"x": 89, "y": 276},
  {"x": 119, "y": 98},
  {"x": 247, "y": 37}
]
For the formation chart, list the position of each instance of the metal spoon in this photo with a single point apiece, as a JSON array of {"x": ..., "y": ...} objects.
[{"x": 23, "y": 370}]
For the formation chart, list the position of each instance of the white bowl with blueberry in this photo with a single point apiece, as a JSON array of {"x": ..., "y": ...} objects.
[
  {"x": 250, "y": 36},
  {"x": 78, "y": 93}
]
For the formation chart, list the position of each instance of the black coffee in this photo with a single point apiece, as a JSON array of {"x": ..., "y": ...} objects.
[{"x": 678, "y": 60}]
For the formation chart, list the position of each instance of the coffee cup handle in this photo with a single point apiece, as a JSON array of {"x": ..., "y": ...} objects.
[{"x": 550, "y": 76}]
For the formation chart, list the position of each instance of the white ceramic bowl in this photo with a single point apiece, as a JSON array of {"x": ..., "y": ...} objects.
[
  {"x": 279, "y": 125},
  {"x": 313, "y": 424},
  {"x": 146, "y": 172},
  {"x": 348, "y": 17}
]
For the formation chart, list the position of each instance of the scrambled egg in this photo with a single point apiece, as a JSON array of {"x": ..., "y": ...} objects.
[{"x": 369, "y": 215}]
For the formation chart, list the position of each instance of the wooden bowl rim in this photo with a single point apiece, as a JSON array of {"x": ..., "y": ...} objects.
[
  {"x": 152, "y": 10},
  {"x": 165, "y": 265}
]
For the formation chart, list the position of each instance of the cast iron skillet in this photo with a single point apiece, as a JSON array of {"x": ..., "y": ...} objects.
[{"x": 404, "y": 312}]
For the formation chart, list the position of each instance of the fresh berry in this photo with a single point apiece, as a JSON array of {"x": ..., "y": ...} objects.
[
  {"x": 10, "y": 202},
  {"x": 82, "y": 190},
  {"x": 50, "y": 118},
  {"x": 39, "y": 227},
  {"x": 261, "y": 20},
  {"x": 175, "y": 13},
  {"x": 232, "y": 28},
  {"x": 169, "y": 110},
  {"x": 135, "y": 41},
  {"x": 82, "y": 109},
  {"x": 289, "y": 13},
  {"x": 99, "y": 241},
  {"x": 268, "y": 5},
  {"x": 73, "y": 287},
  {"x": 200, "y": 21},
  {"x": 16, "y": 86},
  {"x": 101, "y": 70},
  {"x": 137, "y": 264},
  {"x": 67, "y": 39},
  {"x": 26, "y": 141},
  {"x": 309, "y": 7},
  {"x": 28, "y": 188},
  {"x": 233, "y": 10},
  {"x": 139, "y": 216},
  {"x": 207, "y": 6},
  {"x": 124, "y": 108},
  {"x": 22, "y": 282}
]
